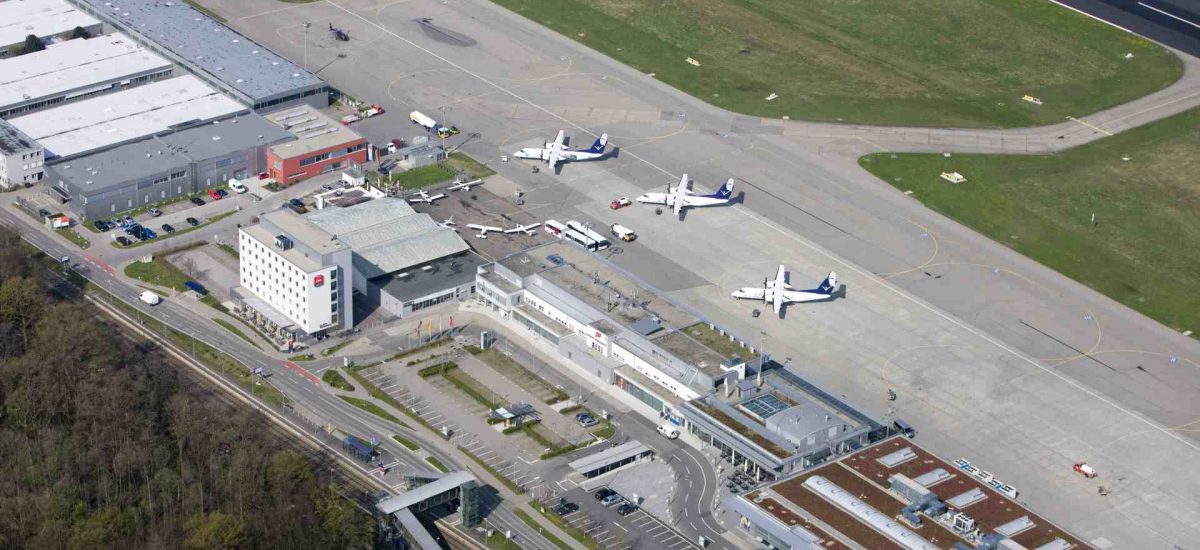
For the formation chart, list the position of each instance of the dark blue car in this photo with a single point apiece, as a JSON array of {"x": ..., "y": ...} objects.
[{"x": 196, "y": 287}]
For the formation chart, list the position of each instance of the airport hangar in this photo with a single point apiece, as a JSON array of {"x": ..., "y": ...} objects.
[
  {"x": 670, "y": 363},
  {"x": 395, "y": 258}
]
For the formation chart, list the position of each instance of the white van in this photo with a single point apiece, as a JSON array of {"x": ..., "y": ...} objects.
[
  {"x": 669, "y": 431},
  {"x": 150, "y": 298},
  {"x": 237, "y": 186}
]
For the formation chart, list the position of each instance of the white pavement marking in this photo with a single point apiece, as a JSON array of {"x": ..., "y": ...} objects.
[
  {"x": 622, "y": 528},
  {"x": 1172, "y": 16}
]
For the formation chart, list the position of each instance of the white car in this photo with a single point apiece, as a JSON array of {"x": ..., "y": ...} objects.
[
  {"x": 150, "y": 298},
  {"x": 237, "y": 186}
]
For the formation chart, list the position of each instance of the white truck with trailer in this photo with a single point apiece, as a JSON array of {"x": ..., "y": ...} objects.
[
  {"x": 431, "y": 125},
  {"x": 624, "y": 233}
]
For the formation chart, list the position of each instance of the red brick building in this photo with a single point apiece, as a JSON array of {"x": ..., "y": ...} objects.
[{"x": 322, "y": 145}]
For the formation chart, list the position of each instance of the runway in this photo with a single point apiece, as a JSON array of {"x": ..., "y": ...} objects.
[
  {"x": 995, "y": 358},
  {"x": 1174, "y": 23}
]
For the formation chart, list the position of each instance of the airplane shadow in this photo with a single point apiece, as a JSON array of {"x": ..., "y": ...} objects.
[
  {"x": 615, "y": 153},
  {"x": 740, "y": 198},
  {"x": 683, "y": 214}
]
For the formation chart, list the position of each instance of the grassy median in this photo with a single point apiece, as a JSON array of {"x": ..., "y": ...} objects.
[{"x": 1140, "y": 250}]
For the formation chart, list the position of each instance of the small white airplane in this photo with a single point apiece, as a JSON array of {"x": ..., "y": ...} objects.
[
  {"x": 682, "y": 196},
  {"x": 778, "y": 292},
  {"x": 526, "y": 229},
  {"x": 448, "y": 222},
  {"x": 465, "y": 186},
  {"x": 484, "y": 230},
  {"x": 423, "y": 197},
  {"x": 555, "y": 153}
]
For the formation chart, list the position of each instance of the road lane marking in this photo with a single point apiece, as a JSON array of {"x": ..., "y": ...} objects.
[{"x": 1172, "y": 16}]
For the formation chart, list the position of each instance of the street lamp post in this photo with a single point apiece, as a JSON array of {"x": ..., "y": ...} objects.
[{"x": 306, "y": 26}]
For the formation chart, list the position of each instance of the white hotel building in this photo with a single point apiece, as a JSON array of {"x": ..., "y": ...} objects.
[{"x": 295, "y": 275}]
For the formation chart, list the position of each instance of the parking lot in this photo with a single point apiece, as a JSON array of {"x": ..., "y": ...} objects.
[{"x": 616, "y": 532}]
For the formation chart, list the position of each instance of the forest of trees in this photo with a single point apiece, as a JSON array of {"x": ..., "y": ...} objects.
[{"x": 103, "y": 444}]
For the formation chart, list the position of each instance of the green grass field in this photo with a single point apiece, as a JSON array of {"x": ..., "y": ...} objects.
[
  {"x": 960, "y": 63},
  {"x": 158, "y": 272},
  {"x": 1141, "y": 251}
]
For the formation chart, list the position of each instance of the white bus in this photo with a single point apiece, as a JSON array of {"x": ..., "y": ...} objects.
[
  {"x": 585, "y": 241},
  {"x": 583, "y": 229},
  {"x": 555, "y": 227}
]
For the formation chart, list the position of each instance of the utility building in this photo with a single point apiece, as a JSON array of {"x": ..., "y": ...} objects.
[{"x": 322, "y": 145}]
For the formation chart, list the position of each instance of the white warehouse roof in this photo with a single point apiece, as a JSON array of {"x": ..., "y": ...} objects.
[
  {"x": 111, "y": 119},
  {"x": 73, "y": 65},
  {"x": 21, "y": 18}
]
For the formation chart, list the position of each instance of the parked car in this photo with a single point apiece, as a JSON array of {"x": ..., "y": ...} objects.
[
  {"x": 167, "y": 227},
  {"x": 197, "y": 201},
  {"x": 214, "y": 194},
  {"x": 123, "y": 241},
  {"x": 328, "y": 187},
  {"x": 154, "y": 212},
  {"x": 193, "y": 222},
  {"x": 620, "y": 203},
  {"x": 101, "y": 225},
  {"x": 196, "y": 287},
  {"x": 148, "y": 234},
  {"x": 586, "y": 420},
  {"x": 297, "y": 203},
  {"x": 626, "y": 509},
  {"x": 565, "y": 507},
  {"x": 237, "y": 187},
  {"x": 604, "y": 493},
  {"x": 611, "y": 499},
  {"x": 222, "y": 193}
]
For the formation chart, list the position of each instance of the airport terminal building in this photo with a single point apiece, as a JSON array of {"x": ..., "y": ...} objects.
[{"x": 385, "y": 253}]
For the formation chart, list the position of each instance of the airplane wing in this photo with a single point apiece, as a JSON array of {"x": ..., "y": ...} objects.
[
  {"x": 558, "y": 140},
  {"x": 436, "y": 197},
  {"x": 418, "y": 200},
  {"x": 555, "y": 157},
  {"x": 681, "y": 192},
  {"x": 750, "y": 293},
  {"x": 653, "y": 198},
  {"x": 484, "y": 228},
  {"x": 781, "y": 279}
]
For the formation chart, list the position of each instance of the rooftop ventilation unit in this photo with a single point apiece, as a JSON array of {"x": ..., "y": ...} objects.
[{"x": 283, "y": 242}]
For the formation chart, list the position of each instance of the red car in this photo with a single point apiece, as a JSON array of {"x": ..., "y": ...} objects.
[
  {"x": 214, "y": 194},
  {"x": 620, "y": 203}
]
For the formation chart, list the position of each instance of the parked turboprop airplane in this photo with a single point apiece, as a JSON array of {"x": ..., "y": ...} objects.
[
  {"x": 778, "y": 292},
  {"x": 555, "y": 152},
  {"x": 682, "y": 196}
]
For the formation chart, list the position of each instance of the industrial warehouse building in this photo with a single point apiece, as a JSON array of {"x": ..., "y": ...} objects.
[
  {"x": 101, "y": 122},
  {"x": 668, "y": 363},
  {"x": 49, "y": 20},
  {"x": 322, "y": 145},
  {"x": 226, "y": 60},
  {"x": 394, "y": 258},
  {"x": 164, "y": 167},
  {"x": 76, "y": 69}
]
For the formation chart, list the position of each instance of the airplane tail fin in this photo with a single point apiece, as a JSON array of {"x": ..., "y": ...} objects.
[
  {"x": 725, "y": 191},
  {"x": 829, "y": 285},
  {"x": 599, "y": 145}
]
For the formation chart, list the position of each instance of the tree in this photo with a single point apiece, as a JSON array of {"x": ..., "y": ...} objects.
[
  {"x": 33, "y": 44},
  {"x": 80, "y": 32},
  {"x": 22, "y": 303},
  {"x": 215, "y": 531}
]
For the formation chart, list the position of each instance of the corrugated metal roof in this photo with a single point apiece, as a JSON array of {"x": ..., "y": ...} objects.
[{"x": 387, "y": 235}]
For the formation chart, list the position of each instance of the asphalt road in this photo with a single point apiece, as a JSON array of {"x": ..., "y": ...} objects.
[{"x": 1174, "y": 23}]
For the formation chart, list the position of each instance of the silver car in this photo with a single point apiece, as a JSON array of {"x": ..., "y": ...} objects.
[{"x": 612, "y": 499}]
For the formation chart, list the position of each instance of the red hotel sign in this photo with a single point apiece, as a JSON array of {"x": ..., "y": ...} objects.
[{"x": 318, "y": 280}]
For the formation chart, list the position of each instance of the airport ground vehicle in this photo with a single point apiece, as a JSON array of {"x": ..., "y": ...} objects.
[
  {"x": 1085, "y": 470},
  {"x": 624, "y": 233},
  {"x": 432, "y": 125},
  {"x": 620, "y": 203}
]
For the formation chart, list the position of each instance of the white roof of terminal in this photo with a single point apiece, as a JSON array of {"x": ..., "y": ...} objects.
[
  {"x": 73, "y": 65},
  {"x": 111, "y": 119},
  {"x": 21, "y": 18}
]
